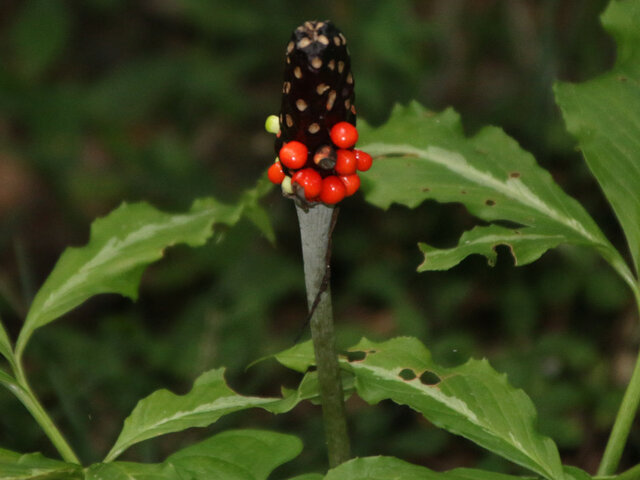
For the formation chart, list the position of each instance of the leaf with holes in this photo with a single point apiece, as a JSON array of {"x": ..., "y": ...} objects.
[
  {"x": 33, "y": 465},
  {"x": 471, "y": 400},
  {"x": 121, "y": 246},
  {"x": 210, "y": 398},
  {"x": 391, "y": 468},
  {"x": 526, "y": 246},
  {"x": 604, "y": 115},
  {"x": 423, "y": 155}
]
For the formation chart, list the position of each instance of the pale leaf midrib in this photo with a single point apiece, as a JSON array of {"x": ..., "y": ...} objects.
[
  {"x": 113, "y": 248},
  {"x": 484, "y": 179},
  {"x": 219, "y": 404},
  {"x": 467, "y": 413}
]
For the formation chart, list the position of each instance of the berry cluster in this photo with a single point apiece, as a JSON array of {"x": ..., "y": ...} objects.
[
  {"x": 311, "y": 179},
  {"x": 315, "y": 131}
]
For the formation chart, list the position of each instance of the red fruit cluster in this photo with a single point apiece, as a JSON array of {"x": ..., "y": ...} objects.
[{"x": 315, "y": 183}]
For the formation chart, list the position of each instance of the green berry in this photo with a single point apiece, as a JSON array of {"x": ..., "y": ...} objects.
[{"x": 272, "y": 124}]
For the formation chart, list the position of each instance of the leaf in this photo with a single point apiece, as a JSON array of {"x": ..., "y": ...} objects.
[
  {"x": 35, "y": 466},
  {"x": 299, "y": 357},
  {"x": 391, "y": 468},
  {"x": 210, "y": 398},
  {"x": 223, "y": 456},
  {"x": 236, "y": 454},
  {"x": 603, "y": 114},
  {"x": 308, "y": 476},
  {"x": 525, "y": 244},
  {"x": 424, "y": 155},
  {"x": 131, "y": 471},
  {"x": 121, "y": 245},
  {"x": 574, "y": 473},
  {"x": 471, "y": 400}
]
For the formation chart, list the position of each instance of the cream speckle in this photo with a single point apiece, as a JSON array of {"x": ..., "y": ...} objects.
[
  {"x": 331, "y": 99},
  {"x": 316, "y": 62},
  {"x": 301, "y": 105},
  {"x": 297, "y": 72},
  {"x": 331, "y": 64},
  {"x": 304, "y": 42},
  {"x": 286, "y": 87},
  {"x": 340, "y": 66},
  {"x": 289, "y": 121},
  {"x": 323, "y": 40},
  {"x": 314, "y": 128},
  {"x": 320, "y": 89}
]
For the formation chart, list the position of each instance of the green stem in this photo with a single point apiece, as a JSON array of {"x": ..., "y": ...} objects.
[
  {"x": 624, "y": 419},
  {"x": 316, "y": 226},
  {"x": 31, "y": 403}
]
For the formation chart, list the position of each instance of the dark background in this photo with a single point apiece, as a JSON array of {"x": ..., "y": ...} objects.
[{"x": 164, "y": 100}]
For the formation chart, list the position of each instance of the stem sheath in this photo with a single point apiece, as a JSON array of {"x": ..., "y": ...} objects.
[{"x": 316, "y": 226}]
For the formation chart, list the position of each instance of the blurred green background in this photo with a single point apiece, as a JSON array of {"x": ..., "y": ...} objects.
[{"x": 164, "y": 100}]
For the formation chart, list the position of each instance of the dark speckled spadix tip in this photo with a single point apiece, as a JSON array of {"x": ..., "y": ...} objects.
[{"x": 317, "y": 91}]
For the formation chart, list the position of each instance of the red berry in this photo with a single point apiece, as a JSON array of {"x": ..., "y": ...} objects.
[
  {"x": 310, "y": 181},
  {"x": 275, "y": 173},
  {"x": 345, "y": 162},
  {"x": 351, "y": 184},
  {"x": 363, "y": 160},
  {"x": 344, "y": 135},
  {"x": 293, "y": 155},
  {"x": 333, "y": 190}
]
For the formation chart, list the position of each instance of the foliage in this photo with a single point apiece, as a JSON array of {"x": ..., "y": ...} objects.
[{"x": 420, "y": 156}]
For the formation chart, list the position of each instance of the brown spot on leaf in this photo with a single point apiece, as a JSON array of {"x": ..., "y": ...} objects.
[
  {"x": 429, "y": 378},
  {"x": 356, "y": 356},
  {"x": 426, "y": 190},
  {"x": 490, "y": 202},
  {"x": 407, "y": 374},
  {"x": 514, "y": 175}
]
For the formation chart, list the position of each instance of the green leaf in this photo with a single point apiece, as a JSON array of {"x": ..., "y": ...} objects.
[
  {"x": 604, "y": 115},
  {"x": 131, "y": 471},
  {"x": 254, "y": 212},
  {"x": 391, "y": 468},
  {"x": 574, "y": 473},
  {"x": 35, "y": 466},
  {"x": 299, "y": 357},
  {"x": 471, "y": 400},
  {"x": 308, "y": 476},
  {"x": 231, "y": 455},
  {"x": 525, "y": 244},
  {"x": 121, "y": 246},
  {"x": 210, "y": 398},
  {"x": 423, "y": 155},
  {"x": 236, "y": 454}
]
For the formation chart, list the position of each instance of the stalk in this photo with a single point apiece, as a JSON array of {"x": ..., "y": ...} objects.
[
  {"x": 316, "y": 227},
  {"x": 624, "y": 420},
  {"x": 28, "y": 398}
]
